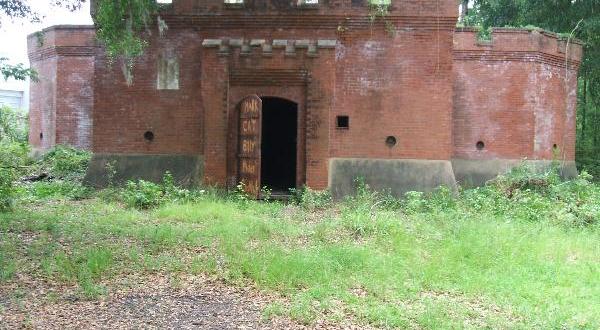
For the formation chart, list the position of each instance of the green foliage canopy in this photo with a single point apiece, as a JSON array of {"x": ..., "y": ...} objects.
[
  {"x": 123, "y": 27},
  {"x": 559, "y": 16}
]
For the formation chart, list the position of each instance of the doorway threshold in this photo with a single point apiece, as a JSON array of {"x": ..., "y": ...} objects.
[{"x": 278, "y": 195}]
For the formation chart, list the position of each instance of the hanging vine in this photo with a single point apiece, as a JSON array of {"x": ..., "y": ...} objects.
[
  {"x": 380, "y": 9},
  {"x": 123, "y": 26}
]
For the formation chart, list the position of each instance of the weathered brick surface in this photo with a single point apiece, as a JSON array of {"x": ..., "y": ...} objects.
[
  {"x": 61, "y": 102},
  {"x": 42, "y": 113},
  {"x": 122, "y": 114},
  {"x": 395, "y": 86},
  {"x": 515, "y": 94},
  {"x": 434, "y": 89}
]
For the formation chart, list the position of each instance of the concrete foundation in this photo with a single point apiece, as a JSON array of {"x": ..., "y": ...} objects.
[
  {"x": 401, "y": 175},
  {"x": 397, "y": 176},
  {"x": 187, "y": 170},
  {"x": 472, "y": 173}
]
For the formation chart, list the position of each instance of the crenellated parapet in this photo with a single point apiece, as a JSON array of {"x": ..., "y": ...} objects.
[
  {"x": 226, "y": 46},
  {"x": 519, "y": 45}
]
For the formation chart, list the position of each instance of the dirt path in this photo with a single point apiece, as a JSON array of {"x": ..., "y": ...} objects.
[{"x": 193, "y": 302}]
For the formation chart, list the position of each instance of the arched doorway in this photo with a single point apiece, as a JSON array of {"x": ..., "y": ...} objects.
[{"x": 267, "y": 144}]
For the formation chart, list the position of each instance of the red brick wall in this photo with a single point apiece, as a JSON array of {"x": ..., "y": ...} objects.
[
  {"x": 397, "y": 86},
  {"x": 511, "y": 94},
  {"x": 122, "y": 114},
  {"x": 371, "y": 70},
  {"x": 435, "y": 90},
  {"x": 75, "y": 101},
  {"x": 42, "y": 112},
  {"x": 61, "y": 102},
  {"x": 372, "y": 76}
]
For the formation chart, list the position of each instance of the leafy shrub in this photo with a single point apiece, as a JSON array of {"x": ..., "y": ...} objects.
[
  {"x": 143, "y": 194},
  {"x": 239, "y": 193},
  {"x": 526, "y": 177},
  {"x": 525, "y": 194},
  {"x": 310, "y": 199},
  {"x": 266, "y": 193},
  {"x": 64, "y": 165},
  {"x": 414, "y": 202},
  {"x": 589, "y": 163},
  {"x": 175, "y": 193},
  {"x": 65, "y": 162},
  {"x": 13, "y": 126},
  {"x": 13, "y": 158},
  {"x": 580, "y": 199},
  {"x": 441, "y": 199}
]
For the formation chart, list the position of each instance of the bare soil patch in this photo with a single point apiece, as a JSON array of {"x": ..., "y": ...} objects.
[{"x": 157, "y": 301}]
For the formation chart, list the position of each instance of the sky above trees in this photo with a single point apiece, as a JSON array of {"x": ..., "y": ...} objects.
[{"x": 13, "y": 33}]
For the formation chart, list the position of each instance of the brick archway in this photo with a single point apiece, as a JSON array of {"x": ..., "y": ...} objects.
[{"x": 292, "y": 95}]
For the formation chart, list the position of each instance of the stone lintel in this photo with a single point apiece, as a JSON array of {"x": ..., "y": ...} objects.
[
  {"x": 208, "y": 43},
  {"x": 326, "y": 43}
]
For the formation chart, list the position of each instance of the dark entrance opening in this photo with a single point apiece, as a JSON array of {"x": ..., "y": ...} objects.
[{"x": 278, "y": 144}]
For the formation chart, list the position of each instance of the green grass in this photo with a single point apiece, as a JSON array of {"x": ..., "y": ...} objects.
[{"x": 470, "y": 262}]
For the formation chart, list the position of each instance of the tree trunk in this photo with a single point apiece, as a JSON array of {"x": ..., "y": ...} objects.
[
  {"x": 583, "y": 113},
  {"x": 464, "y": 10},
  {"x": 596, "y": 122}
]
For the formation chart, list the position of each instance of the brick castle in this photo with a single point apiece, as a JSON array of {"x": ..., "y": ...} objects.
[{"x": 284, "y": 94}]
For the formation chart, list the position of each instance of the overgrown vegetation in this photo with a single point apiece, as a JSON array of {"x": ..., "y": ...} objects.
[
  {"x": 13, "y": 153},
  {"x": 121, "y": 24},
  {"x": 143, "y": 194},
  {"x": 66, "y": 163},
  {"x": 521, "y": 252},
  {"x": 58, "y": 173},
  {"x": 13, "y": 157},
  {"x": 13, "y": 125}
]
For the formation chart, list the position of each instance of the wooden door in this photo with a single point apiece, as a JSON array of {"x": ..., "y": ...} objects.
[{"x": 249, "y": 144}]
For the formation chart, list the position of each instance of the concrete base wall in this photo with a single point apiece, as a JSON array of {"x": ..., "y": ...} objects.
[
  {"x": 395, "y": 175},
  {"x": 187, "y": 170},
  {"x": 472, "y": 173}
]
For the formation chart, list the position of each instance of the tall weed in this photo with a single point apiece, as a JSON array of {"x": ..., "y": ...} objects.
[
  {"x": 310, "y": 199},
  {"x": 142, "y": 194},
  {"x": 13, "y": 158}
]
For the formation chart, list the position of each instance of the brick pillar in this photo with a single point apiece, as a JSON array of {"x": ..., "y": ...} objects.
[
  {"x": 61, "y": 102},
  {"x": 215, "y": 82}
]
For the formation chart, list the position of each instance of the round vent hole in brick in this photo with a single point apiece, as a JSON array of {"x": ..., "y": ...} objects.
[
  {"x": 390, "y": 141},
  {"x": 149, "y": 136},
  {"x": 479, "y": 145}
]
